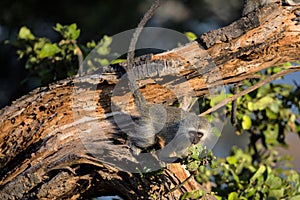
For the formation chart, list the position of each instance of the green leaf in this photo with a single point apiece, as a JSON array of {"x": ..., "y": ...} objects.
[
  {"x": 297, "y": 197},
  {"x": 92, "y": 44},
  {"x": 218, "y": 197},
  {"x": 276, "y": 193},
  {"x": 273, "y": 182},
  {"x": 250, "y": 192},
  {"x": 118, "y": 61},
  {"x": 263, "y": 91},
  {"x": 68, "y": 32},
  {"x": 264, "y": 102},
  {"x": 191, "y": 36},
  {"x": 270, "y": 114},
  {"x": 58, "y": 27},
  {"x": 231, "y": 160},
  {"x": 193, "y": 166},
  {"x": 251, "y": 106},
  {"x": 102, "y": 62},
  {"x": 49, "y": 50},
  {"x": 196, "y": 194},
  {"x": 26, "y": 34},
  {"x": 295, "y": 178},
  {"x": 287, "y": 64},
  {"x": 39, "y": 44},
  {"x": 187, "y": 195},
  {"x": 271, "y": 134},
  {"x": 246, "y": 123},
  {"x": 258, "y": 173},
  {"x": 278, "y": 69},
  {"x": 275, "y": 106},
  {"x": 233, "y": 196},
  {"x": 214, "y": 99},
  {"x": 74, "y": 32},
  {"x": 103, "y": 46}
]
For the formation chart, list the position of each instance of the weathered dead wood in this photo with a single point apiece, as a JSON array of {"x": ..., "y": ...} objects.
[{"x": 43, "y": 153}]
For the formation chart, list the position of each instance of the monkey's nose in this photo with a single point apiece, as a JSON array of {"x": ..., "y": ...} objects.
[{"x": 197, "y": 137}]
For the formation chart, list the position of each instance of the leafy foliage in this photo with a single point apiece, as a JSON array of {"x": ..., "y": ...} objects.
[
  {"x": 258, "y": 172},
  {"x": 239, "y": 177},
  {"x": 270, "y": 112},
  {"x": 51, "y": 61}
]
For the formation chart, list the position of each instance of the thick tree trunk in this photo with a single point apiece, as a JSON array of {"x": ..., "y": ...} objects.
[{"x": 59, "y": 142}]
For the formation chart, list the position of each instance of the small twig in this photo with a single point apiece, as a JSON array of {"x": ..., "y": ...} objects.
[
  {"x": 180, "y": 185},
  {"x": 234, "y": 104},
  {"x": 250, "y": 89}
]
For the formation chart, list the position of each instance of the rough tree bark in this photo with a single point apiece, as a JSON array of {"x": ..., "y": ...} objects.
[{"x": 43, "y": 156}]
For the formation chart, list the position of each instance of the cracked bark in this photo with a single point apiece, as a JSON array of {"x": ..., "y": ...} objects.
[{"x": 43, "y": 154}]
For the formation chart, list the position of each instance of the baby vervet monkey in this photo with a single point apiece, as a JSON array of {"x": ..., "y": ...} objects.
[
  {"x": 171, "y": 128},
  {"x": 251, "y": 5}
]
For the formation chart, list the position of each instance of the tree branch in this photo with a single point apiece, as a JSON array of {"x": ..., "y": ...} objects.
[{"x": 44, "y": 153}]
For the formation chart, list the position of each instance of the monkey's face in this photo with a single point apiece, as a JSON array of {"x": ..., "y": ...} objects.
[
  {"x": 196, "y": 136},
  {"x": 196, "y": 127},
  {"x": 192, "y": 130},
  {"x": 204, "y": 130}
]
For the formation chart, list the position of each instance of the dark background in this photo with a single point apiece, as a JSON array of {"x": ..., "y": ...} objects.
[{"x": 95, "y": 19}]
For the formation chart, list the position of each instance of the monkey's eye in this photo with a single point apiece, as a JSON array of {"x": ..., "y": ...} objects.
[
  {"x": 200, "y": 134},
  {"x": 193, "y": 133}
]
